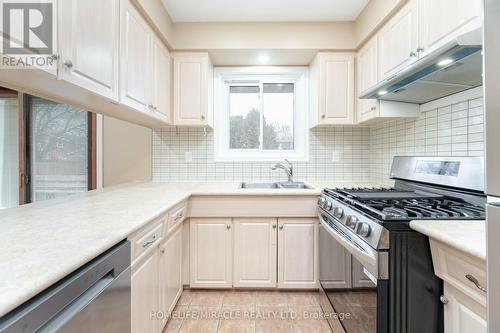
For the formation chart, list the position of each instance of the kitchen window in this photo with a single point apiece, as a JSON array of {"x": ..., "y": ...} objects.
[{"x": 261, "y": 114}]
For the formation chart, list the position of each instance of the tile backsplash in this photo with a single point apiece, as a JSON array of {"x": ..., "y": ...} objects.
[{"x": 363, "y": 154}]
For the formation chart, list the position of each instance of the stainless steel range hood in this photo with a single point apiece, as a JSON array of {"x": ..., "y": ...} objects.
[{"x": 455, "y": 67}]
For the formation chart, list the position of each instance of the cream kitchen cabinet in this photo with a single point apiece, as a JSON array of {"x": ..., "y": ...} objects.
[
  {"x": 398, "y": 41},
  {"x": 297, "y": 253},
  {"x": 336, "y": 268},
  {"x": 332, "y": 89},
  {"x": 461, "y": 313},
  {"x": 161, "y": 80},
  {"x": 144, "y": 294},
  {"x": 442, "y": 20},
  {"x": 145, "y": 66},
  {"x": 89, "y": 45},
  {"x": 255, "y": 241},
  {"x": 211, "y": 253},
  {"x": 367, "y": 77},
  {"x": 136, "y": 44},
  {"x": 359, "y": 278},
  {"x": 170, "y": 271},
  {"x": 192, "y": 89}
]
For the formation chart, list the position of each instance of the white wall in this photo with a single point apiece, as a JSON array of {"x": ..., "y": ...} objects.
[{"x": 9, "y": 153}]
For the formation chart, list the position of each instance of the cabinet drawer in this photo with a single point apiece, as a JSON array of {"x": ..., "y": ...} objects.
[
  {"x": 177, "y": 216},
  {"x": 454, "y": 266},
  {"x": 146, "y": 238}
]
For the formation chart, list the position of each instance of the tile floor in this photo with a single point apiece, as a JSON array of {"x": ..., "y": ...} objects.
[{"x": 204, "y": 311}]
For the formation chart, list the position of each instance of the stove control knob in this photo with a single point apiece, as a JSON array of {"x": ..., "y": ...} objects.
[
  {"x": 328, "y": 205},
  {"x": 321, "y": 201},
  {"x": 363, "y": 229},
  {"x": 351, "y": 222},
  {"x": 339, "y": 212}
]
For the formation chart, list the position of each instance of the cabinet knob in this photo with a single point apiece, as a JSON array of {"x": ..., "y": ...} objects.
[
  {"x": 443, "y": 299},
  {"x": 323, "y": 116},
  {"x": 274, "y": 226},
  {"x": 281, "y": 227},
  {"x": 151, "y": 107},
  {"x": 228, "y": 226},
  {"x": 373, "y": 108},
  {"x": 202, "y": 117},
  {"x": 162, "y": 251},
  {"x": 68, "y": 64},
  {"x": 420, "y": 49},
  {"x": 413, "y": 54},
  {"x": 55, "y": 57}
]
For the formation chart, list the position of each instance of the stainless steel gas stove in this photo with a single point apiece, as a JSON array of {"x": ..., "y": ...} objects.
[{"x": 372, "y": 225}]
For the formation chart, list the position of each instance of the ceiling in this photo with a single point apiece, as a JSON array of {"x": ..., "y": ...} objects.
[{"x": 263, "y": 10}]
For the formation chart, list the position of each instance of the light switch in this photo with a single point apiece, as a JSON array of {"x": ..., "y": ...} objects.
[{"x": 188, "y": 157}]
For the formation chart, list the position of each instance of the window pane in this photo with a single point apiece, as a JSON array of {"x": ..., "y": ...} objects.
[
  {"x": 244, "y": 126},
  {"x": 9, "y": 153},
  {"x": 59, "y": 150},
  {"x": 278, "y": 101}
]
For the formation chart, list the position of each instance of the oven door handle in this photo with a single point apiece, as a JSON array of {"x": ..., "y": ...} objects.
[{"x": 367, "y": 257}]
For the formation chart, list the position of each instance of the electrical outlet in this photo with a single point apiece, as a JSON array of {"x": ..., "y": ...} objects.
[
  {"x": 188, "y": 157},
  {"x": 336, "y": 156}
]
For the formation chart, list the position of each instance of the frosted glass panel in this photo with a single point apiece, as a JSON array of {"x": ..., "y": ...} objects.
[
  {"x": 59, "y": 150},
  {"x": 9, "y": 153}
]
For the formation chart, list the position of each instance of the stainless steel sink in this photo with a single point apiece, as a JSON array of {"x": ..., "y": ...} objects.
[{"x": 290, "y": 186}]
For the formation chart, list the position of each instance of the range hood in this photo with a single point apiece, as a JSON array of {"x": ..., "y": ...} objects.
[{"x": 454, "y": 67}]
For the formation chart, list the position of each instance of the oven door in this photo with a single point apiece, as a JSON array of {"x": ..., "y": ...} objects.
[{"x": 352, "y": 285}]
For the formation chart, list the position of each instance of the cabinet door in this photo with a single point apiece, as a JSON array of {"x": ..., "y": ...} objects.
[
  {"x": 462, "y": 314},
  {"x": 335, "y": 265},
  {"x": 190, "y": 100},
  {"x": 90, "y": 45},
  {"x": 161, "y": 79},
  {"x": 211, "y": 253},
  {"x": 297, "y": 253},
  {"x": 255, "y": 252},
  {"x": 135, "y": 59},
  {"x": 336, "y": 89},
  {"x": 170, "y": 275},
  {"x": 144, "y": 294},
  {"x": 366, "y": 78},
  {"x": 443, "y": 20},
  {"x": 398, "y": 41},
  {"x": 359, "y": 278}
]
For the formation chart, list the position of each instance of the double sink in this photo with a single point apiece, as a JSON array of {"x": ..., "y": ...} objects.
[{"x": 282, "y": 185}]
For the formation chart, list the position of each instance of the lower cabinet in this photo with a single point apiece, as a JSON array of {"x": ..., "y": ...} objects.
[
  {"x": 297, "y": 253},
  {"x": 211, "y": 253},
  {"x": 461, "y": 313},
  {"x": 170, "y": 272},
  {"x": 144, "y": 294},
  {"x": 255, "y": 242}
]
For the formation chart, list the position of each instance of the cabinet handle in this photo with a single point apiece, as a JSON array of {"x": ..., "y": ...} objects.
[
  {"x": 420, "y": 49},
  {"x": 413, "y": 54},
  {"x": 228, "y": 227},
  {"x": 476, "y": 282},
  {"x": 443, "y": 299},
  {"x": 281, "y": 227},
  {"x": 68, "y": 64},
  {"x": 178, "y": 217},
  {"x": 149, "y": 242},
  {"x": 151, "y": 106},
  {"x": 373, "y": 108}
]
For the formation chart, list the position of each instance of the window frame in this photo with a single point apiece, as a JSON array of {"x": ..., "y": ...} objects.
[{"x": 224, "y": 76}]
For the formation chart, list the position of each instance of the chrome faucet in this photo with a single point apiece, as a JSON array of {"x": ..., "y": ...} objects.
[{"x": 286, "y": 166}]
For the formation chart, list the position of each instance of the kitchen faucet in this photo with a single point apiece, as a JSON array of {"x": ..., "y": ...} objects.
[{"x": 286, "y": 166}]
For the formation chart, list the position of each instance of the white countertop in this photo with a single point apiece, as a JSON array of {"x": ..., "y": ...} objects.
[
  {"x": 465, "y": 236},
  {"x": 41, "y": 243}
]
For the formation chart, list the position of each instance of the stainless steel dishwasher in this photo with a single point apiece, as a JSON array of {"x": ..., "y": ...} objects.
[{"x": 94, "y": 298}]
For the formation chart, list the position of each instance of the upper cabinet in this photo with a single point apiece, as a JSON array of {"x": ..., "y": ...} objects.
[
  {"x": 192, "y": 89},
  {"x": 398, "y": 41},
  {"x": 366, "y": 77},
  {"x": 89, "y": 39},
  {"x": 161, "y": 79},
  {"x": 332, "y": 89},
  {"x": 136, "y": 43},
  {"x": 442, "y": 20}
]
